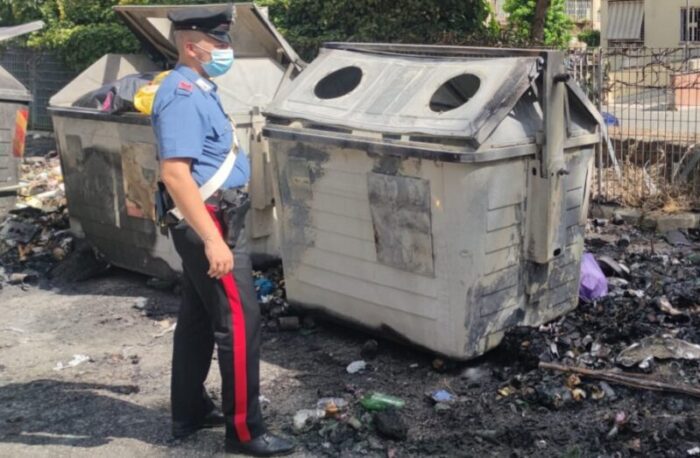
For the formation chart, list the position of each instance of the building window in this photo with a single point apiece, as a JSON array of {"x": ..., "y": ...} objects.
[
  {"x": 690, "y": 17},
  {"x": 579, "y": 10},
  {"x": 625, "y": 23}
]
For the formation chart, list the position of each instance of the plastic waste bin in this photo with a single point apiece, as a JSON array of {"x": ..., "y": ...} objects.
[
  {"x": 109, "y": 161},
  {"x": 14, "y": 116},
  {"x": 436, "y": 194}
]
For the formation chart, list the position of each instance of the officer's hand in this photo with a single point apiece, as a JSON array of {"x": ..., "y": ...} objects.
[{"x": 219, "y": 256}]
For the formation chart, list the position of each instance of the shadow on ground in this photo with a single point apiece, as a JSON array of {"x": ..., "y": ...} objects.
[{"x": 52, "y": 412}]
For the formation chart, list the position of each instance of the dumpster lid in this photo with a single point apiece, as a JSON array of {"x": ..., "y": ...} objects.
[
  {"x": 431, "y": 94},
  {"x": 11, "y": 89},
  {"x": 253, "y": 34},
  {"x": 8, "y": 33}
]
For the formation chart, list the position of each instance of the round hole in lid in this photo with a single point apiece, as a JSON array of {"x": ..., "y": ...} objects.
[
  {"x": 338, "y": 83},
  {"x": 455, "y": 92}
]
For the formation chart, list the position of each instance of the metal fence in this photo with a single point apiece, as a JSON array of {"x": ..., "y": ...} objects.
[
  {"x": 42, "y": 73},
  {"x": 650, "y": 100}
]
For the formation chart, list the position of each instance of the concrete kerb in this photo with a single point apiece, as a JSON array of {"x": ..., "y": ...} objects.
[{"x": 654, "y": 221}]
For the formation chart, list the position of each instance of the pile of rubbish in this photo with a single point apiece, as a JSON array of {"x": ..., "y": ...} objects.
[{"x": 34, "y": 236}]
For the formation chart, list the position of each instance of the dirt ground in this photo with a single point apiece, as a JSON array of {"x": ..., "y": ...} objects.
[{"x": 117, "y": 402}]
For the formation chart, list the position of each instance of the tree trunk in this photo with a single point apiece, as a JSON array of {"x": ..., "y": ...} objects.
[{"x": 537, "y": 32}]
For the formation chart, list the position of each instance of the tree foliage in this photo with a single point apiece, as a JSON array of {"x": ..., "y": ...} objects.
[
  {"x": 521, "y": 15},
  {"x": 308, "y": 23},
  {"x": 83, "y": 30}
]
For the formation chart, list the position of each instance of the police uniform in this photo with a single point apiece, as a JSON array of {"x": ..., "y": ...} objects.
[{"x": 189, "y": 122}]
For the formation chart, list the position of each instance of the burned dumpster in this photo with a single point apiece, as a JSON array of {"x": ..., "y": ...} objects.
[
  {"x": 436, "y": 194},
  {"x": 108, "y": 150},
  {"x": 14, "y": 117}
]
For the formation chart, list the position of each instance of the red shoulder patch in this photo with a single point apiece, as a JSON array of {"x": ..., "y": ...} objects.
[{"x": 185, "y": 85}]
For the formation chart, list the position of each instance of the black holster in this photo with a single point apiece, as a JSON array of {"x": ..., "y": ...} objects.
[
  {"x": 233, "y": 207},
  {"x": 164, "y": 203}
]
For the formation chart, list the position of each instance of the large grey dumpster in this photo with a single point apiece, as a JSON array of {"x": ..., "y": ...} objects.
[
  {"x": 14, "y": 116},
  {"x": 437, "y": 194},
  {"x": 109, "y": 161}
]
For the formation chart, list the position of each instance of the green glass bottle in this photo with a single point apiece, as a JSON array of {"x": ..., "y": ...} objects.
[{"x": 381, "y": 401}]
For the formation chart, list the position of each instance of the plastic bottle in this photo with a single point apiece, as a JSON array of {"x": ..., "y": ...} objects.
[{"x": 381, "y": 401}]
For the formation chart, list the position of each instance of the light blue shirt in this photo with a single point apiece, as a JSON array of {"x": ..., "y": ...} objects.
[{"x": 189, "y": 122}]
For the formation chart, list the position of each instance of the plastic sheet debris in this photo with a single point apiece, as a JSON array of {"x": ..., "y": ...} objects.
[
  {"x": 19, "y": 231},
  {"x": 677, "y": 238},
  {"x": 306, "y": 418},
  {"x": 658, "y": 348},
  {"x": 76, "y": 361},
  {"x": 441, "y": 396},
  {"x": 356, "y": 366},
  {"x": 264, "y": 287},
  {"x": 593, "y": 283}
]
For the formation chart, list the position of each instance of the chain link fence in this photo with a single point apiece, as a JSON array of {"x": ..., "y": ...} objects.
[
  {"x": 650, "y": 100},
  {"x": 42, "y": 73}
]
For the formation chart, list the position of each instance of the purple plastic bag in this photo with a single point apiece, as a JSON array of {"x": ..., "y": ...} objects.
[{"x": 594, "y": 284}]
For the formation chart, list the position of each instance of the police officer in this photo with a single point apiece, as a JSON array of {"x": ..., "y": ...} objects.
[{"x": 219, "y": 306}]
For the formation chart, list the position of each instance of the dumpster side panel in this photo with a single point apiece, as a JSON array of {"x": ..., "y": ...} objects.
[
  {"x": 9, "y": 164},
  {"x": 337, "y": 227},
  {"x": 109, "y": 171},
  {"x": 550, "y": 290},
  {"x": 333, "y": 239}
]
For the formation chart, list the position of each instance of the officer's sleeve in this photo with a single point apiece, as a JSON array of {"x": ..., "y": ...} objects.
[{"x": 180, "y": 128}]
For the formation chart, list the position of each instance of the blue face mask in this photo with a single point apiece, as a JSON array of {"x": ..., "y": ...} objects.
[{"x": 221, "y": 61}]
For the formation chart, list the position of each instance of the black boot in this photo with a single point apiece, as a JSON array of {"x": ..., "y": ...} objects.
[
  {"x": 265, "y": 445},
  {"x": 212, "y": 419}
]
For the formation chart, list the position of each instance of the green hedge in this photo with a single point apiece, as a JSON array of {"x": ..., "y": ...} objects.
[{"x": 83, "y": 30}]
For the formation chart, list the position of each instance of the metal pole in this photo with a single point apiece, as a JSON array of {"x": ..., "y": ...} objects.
[{"x": 687, "y": 33}]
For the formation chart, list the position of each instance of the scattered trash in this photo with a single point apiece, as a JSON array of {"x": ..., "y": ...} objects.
[
  {"x": 140, "y": 303},
  {"x": 593, "y": 284},
  {"x": 665, "y": 306},
  {"x": 83, "y": 263},
  {"x": 76, "y": 361},
  {"x": 677, "y": 238},
  {"x": 165, "y": 331},
  {"x": 370, "y": 349},
  {"x": 441, "y": 396},
  {"x": 611, "y": 267},
  {"x": 380, "y": 401},
  {"x": 356, "y": 366},
  {"x": 695, "y": 451},
  {"x": 631, "y": 380},
  {"x": 658, "y": 348},
  {"x": 19, "y": 231},
  {"x": 332, "y": 406},
  {"x": 624, "y": 241},
  {"x": 354, "y": 423},
  {"x": 288, "y": 323},
  {"x": 19, "y": 278},
  {"x": 475, "y": 376},
  {"x": 607, "y": 389},
  {"x": 305, "y": 419},
  {"x": 264, "y": 287},
  {"x": 389, "y": 424},
  {"x": 619, "y": 421}
]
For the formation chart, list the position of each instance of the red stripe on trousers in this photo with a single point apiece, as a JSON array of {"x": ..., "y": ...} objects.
[{"x": 240, "y": 369}]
